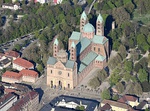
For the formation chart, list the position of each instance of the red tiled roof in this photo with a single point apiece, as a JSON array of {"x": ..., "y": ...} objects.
[
  {"x": 22, "y": 62},
  {"x": 8, "y": 90},
  {"x": 12, "y": 54},
  {"x": 13, "y": 75},
  {"x": 26, "y": 72},
  {"x": 127, "y": 98},
  {"x": 5, "y": 97},
  {"x": 117, "y": 104},
  {"x": 23, "y": 101}
]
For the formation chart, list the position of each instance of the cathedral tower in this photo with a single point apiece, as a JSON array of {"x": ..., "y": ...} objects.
[
  {"x": 55, "y": 48},
  {"x": 73, "y": 52},
  {"x": 83, "y": 20},
  {"x": 99, "y": 25}
]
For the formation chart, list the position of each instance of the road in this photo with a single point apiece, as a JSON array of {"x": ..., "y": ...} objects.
[{"x": 47, "y": 94}]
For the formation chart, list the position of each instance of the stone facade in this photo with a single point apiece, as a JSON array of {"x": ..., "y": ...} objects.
[{"x": 87, "y": 49}]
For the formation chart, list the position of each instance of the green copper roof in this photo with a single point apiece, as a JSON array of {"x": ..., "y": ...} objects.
[
  {"x": 56, "y": 41},
  {"x": 100, "y": 18},
  {"x": 69, "y": 64},
  {"x": 82, "y": 45},
  {"x": 99, "y": 39},
  {"x": 81, "y": 67},
  {"x": 89, "y": 58},
  {"x": 83, "y": 15},
  {"x": 75, "y": 35},
  {"x": 51, "y": 60},
  {"x": 73, "y": 45},
  {"x": 100, "y": 58},
  {"x": 88, "y": 28}
]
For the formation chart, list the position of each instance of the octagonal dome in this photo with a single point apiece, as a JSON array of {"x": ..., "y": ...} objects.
[{"x": 88, "y": 28}]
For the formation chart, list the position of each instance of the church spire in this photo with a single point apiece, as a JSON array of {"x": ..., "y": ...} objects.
[
  {"x": 83, "y": 20},
  {"x": 55, "y": 47},
  {"x": 99, "y": 25}
]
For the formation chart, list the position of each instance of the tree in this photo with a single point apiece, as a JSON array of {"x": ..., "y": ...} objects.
[
  {"x": 94, "y": 83},
  {"x": 145, "y": 86},
  {"x": 127, "y": 76},
  {"x": 128, "y": 66},
  {"x": 122, "y": 51},
  {"x": 17, "y": 47},
  {"x": 40, "y": 68},
  {"x": 115, "y": 77},
  {"x": 81, "y": 108},
  {"x": 142, "y": 75},
  {"x": 135, "y": 88},
  {"x": 115, "y": 97},
  {"x": 106, "y": 94},
  {"x": 120, "y": 87},
  {"x": 102, "y": 75}
]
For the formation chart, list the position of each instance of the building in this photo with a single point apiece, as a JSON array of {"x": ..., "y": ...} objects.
[
  {"x": 29, "y": 75},
  {"x": 142, "y": 106},
  {"x": 40, "y": 1},
  {"x": 12, "y": 54},
  {"x": 115, "y": 106},
  {"x": 29, "y": 102},
  {"x": 11, "y": 6},
  {"x": 130, "y": 100},
  {"x": 7, "y": 101},
  {"x": 57, "y": 1},
  {"x": 70, "y": 103},
  {"x": 87, "y": 49},
  {"x": 11, "y": 77},
  {"x": 20, "y": 64},
  {"x": 4, "y": 63}
]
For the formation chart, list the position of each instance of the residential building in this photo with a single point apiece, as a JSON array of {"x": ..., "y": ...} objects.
[
  {"x": 130, "y": 100},
  {"x": 4, "y": 63},
  {"x": 106, "y": 107},
  {"x": 87, "y": 49},
  {"x": 11, "y": 77},
  {"x": 142, "y": 106},
  {"x": 12, "y": 54},
  {"x": 7, "y": 101},
  {"x": 40, "y": 1},
  {"x": 29, "y": 102},
  {"x": 57, "y": 1},
  {"x": 70, "y": 103},
  {"x": 29, "y": 75},
  {"x": 11, "y": 6},
  {"x": 20, "y": 64},
  {"x": 116, "y": 106}
]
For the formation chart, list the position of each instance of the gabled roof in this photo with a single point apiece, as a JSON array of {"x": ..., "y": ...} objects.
[
  {"x": 12, "y": 54},
  {"x": 106, "y": 107},
  {"x": 22, "y": 62},
  {"x": 141, "y": 105},
  {"x": 126, "y": 98},
  {"x": 26, "y": 72},
  {"x": 51, "y": 60},
  {"x": 117, "y": 104},
  {"x": 83, "y": 15},
  {"x": 70, "y": 64},
  {"x": 13, "y": 75},
  {"x": 100, "y": 18},
  {"x": 99, "y": 39},
  {"x": 100, "y": 58},
  {"x": 84, "y": 42},
  {"x": 75, "y": 35}
]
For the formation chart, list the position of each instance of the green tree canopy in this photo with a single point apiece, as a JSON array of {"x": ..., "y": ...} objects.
[
  {"x": 142, "y": 75},
  {"x": 106, "y": 94}
]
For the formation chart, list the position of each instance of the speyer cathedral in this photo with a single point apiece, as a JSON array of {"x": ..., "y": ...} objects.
[{"x": 87, "y": 49}]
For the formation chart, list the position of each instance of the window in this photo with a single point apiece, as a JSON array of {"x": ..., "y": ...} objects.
[
  {"x": 98, "y": 49},
  {"x": 68, "y": 74},
  {"x": 68, "y": 85},
  {"x": 94, "y": 48},
  {"x": 51, "y": 71}
]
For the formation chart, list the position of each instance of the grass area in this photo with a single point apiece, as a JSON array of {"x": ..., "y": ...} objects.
[{"x": 145, "y": 19}]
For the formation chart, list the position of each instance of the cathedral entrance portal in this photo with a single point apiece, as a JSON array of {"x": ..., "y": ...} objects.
[
  {"x": 51, "y": 84},
  {"x": 59, "y": 84}
]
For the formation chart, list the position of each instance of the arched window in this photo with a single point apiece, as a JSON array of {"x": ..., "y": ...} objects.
[
  {"x": 68, "y": 85},
  {"x": 51, "y": 84}
]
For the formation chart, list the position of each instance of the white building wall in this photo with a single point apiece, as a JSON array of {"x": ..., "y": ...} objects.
[{"x": 8, "y": 104}]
